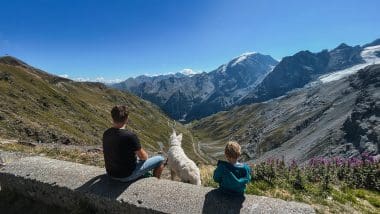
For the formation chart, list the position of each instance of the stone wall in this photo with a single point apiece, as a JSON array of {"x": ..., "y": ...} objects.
[{"x": 74, "y": 186}]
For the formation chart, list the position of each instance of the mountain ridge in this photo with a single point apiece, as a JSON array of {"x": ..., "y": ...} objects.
[
  {"x": 233, "y": 83},
  {"x": 216, "y": 89},
  {"x": 302, "y": 68},
  {"x": 338, "y": 118}
]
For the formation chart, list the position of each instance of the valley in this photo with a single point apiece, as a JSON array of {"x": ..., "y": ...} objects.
[
  {"x": 302, "y": 124},
  {"x": 302, "y": 119}
]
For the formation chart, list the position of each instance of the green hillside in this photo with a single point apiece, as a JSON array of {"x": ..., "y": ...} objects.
[{"x": 38, "y": 107}]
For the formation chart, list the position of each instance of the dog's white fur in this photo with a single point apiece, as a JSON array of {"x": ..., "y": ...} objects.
[{"x": 179, "y": 164}]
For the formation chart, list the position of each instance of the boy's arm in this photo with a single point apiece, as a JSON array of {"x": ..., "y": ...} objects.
[
  {"x": 249, "y": 176},
  {"x": 217, "y": 175}
]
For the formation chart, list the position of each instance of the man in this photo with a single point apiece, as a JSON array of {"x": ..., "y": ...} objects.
[{"x": 121, "y": 149}]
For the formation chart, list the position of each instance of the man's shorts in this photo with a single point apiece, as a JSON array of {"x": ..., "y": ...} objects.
[{"x": 142, "y": 167}]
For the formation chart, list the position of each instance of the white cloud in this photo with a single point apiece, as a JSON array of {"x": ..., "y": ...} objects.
[
  {"x": 98, "y": 79},
  {"x": 189, "y": 71},
  {"x": 82, "y": 79},
  {"x": 64, "y": 75}
]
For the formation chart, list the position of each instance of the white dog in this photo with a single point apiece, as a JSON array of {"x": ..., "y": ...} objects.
[{"x": 179, "y": 164}]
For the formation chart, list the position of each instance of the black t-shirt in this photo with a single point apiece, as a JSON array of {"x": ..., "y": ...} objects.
[{"x": 119, "y": 147}]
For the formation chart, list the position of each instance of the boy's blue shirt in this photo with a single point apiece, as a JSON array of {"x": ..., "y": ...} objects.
[{"x": 232, "y": 178}]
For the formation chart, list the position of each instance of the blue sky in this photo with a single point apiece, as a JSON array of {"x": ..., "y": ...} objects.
[{"x": 118, "y": 39}]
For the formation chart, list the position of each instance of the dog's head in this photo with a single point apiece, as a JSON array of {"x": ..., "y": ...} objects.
[{"x": 175, "y": 140}]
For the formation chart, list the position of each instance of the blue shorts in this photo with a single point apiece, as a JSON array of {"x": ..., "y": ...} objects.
[{"x": 142, "y": 167}]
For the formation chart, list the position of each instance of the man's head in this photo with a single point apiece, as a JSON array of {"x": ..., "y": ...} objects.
[
  {"x": 232, "y": 151},
  {"x": 119, "y": 114}
]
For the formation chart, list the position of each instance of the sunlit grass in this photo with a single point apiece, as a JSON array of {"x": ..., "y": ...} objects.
[{"x": 274, "y": 179}]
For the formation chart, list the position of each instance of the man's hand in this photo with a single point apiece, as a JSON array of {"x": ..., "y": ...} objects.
[{"x": 142, "y": 154}]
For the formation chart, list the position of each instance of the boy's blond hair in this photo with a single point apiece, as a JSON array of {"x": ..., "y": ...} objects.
[{"x": 232, "y": 150}]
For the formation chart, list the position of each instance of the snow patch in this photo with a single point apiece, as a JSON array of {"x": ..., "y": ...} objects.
[
  {"x": 189, "y": 72},
  {"x": 242, "y": 57},
  {"x": 368, "y": 55}
]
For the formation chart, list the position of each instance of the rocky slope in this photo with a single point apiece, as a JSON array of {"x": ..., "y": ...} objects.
[
  {"x": 38, "y": 107},
  {"x": 302, "y": 68},
  {"x": 339, "y": 117},
  {"x": 192, "y": 97}
]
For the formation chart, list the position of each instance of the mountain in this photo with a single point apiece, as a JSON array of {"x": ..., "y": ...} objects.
[
  {"x": 131, "y": 83},
  {"x": 38, "y": 107},
  {"x": 302, "y": 68},
  {"x": 374, "y": 43},
  {"x": 338, "y": 118},
  {"x": 192, "y": 97}
]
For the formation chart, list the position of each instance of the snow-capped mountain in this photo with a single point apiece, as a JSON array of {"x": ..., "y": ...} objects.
[
  {"x": 336, "y": 118},
  {"x": 249, "y": 78},
  {"x": 336, "y": 113},
  {"x": 192, "y": 96},
  {"x": 305, "y": 67},
  {"x": 370, "y": 55}
]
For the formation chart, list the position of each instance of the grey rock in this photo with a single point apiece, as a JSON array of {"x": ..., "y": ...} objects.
[{"x": 8, "y": 157}]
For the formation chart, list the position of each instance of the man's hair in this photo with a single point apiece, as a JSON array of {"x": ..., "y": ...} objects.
[
  {"x": 119, "y": 113},
  {"x": 232, "y": 150}
]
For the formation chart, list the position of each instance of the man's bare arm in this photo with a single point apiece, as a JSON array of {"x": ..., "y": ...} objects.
[{"x": 142, "y": 154}]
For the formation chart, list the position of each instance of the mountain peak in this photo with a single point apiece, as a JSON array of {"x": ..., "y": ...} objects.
[
  {"x": 255, "y": 56},
  {"x": 248, "y": 54},
  {"x": 10, "y": 60},
  {"x": 243, "y": 57},
  {"x": 374, "y": 43},
  {"x": 342, "y": 46}
]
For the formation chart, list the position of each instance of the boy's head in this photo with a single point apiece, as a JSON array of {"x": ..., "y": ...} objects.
[
  {"x": 232, "y": 151},
  {"x": 119, "y": 114}
]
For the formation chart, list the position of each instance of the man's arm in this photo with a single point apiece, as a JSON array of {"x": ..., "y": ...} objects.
[{"x": 141, "y": 153}]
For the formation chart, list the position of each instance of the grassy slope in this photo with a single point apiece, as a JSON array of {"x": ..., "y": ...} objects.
[
  {"x": 239, "y": 124},
  {"x": 36, "y": 106}
]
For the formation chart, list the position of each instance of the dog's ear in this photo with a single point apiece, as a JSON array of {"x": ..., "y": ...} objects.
[
  {"x": 179, "y": 137},
  {"x": 174, "y": 134}
]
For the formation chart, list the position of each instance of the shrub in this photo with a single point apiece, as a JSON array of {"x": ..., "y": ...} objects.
[{"x": 361, "y": 172}]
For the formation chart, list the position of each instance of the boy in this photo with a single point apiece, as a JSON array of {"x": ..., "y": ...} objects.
[
  {"x": 121, "y": 149},
  {"x": 231, "y": 175}
]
